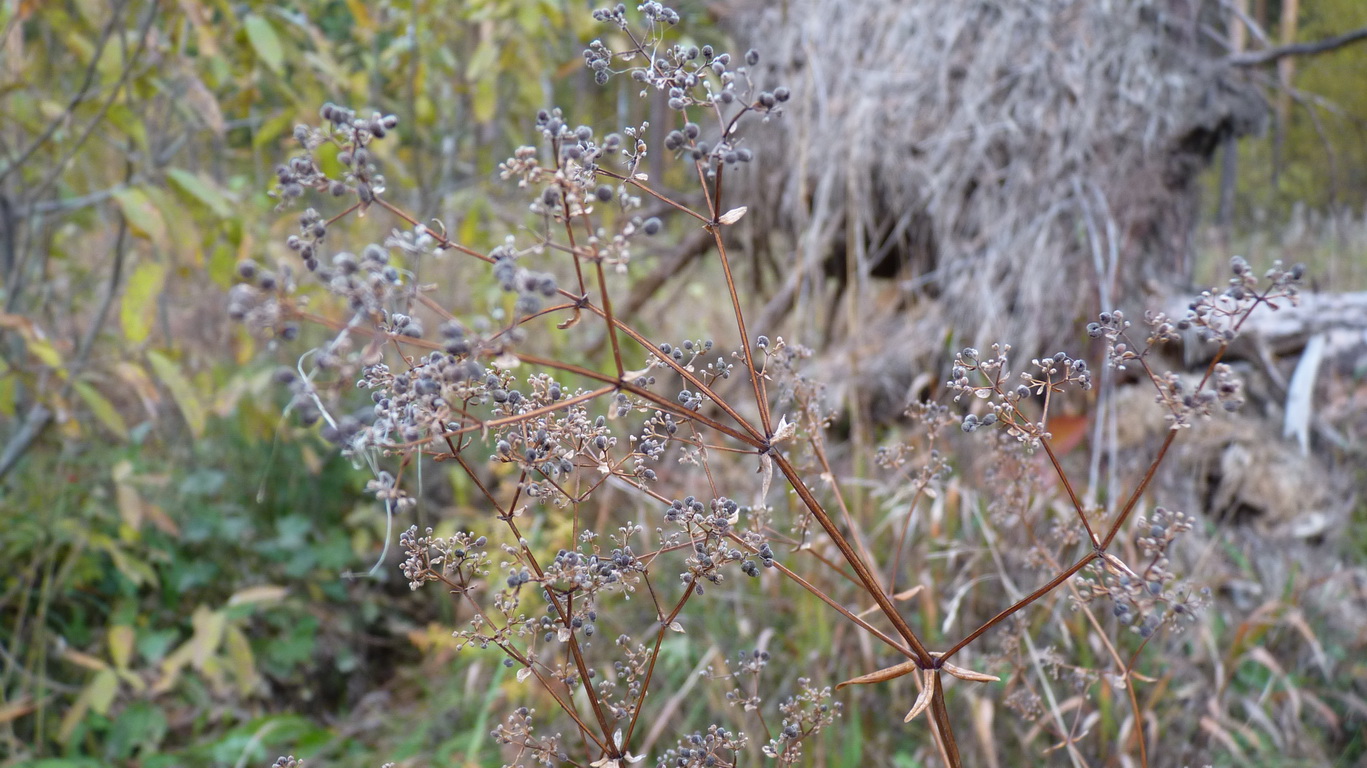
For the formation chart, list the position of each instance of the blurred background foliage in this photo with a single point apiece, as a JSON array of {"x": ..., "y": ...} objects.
[{"x": 173, "y": 591}]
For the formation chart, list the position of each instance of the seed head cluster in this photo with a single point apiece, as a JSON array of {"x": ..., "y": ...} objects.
[{"x": 607, "y": 515}]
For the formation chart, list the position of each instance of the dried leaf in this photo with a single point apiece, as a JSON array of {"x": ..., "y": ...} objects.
[
  {"x": 970, "y": 675},
  {"x": 263, "y": 593},
  {"x": 766, "y": 469},
  {"x": 1117, "y": 566},
  {"x": 907, "y": 594},
  {"x": 13, "y": 710},
  {"x": 569, "y": 322},
  {"x": 784, "y": 430},
  {"x": 84, "y": 660},
  {"x": 887, "y": 673},
  {"x": 732, "y": 216},
  {"x": 927, "y": 695},
  {"x": 202, "y": 103}
]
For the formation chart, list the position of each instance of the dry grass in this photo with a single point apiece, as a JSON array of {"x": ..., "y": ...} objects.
[{"x": 1024, "y": 160}]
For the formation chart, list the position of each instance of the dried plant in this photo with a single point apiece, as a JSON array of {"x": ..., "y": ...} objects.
[{"x": 618, "y": 491}]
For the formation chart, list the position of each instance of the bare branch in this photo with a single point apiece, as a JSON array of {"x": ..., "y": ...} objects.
[{"x": 1272, "y": 55}]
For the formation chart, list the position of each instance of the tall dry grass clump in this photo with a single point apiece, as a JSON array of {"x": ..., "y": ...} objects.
[{"x": 998, "y": 160}]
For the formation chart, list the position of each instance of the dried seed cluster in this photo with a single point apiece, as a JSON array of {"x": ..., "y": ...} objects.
[
  {"x": 805, "y": 714},
  {"x": 1150, "y": 597},
  {"x": 716, "y": 747},
  {"x": 555, "y": 576}
]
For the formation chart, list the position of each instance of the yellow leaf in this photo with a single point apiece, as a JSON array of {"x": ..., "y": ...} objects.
[
  {"x": 182, "y": 391},
  {"x": 102, "y": 409},
  {"x": 136, "y": 569},
  {"x": 131, "y": 679},
  {"x": 44, "y": 351},
  {"x": 209, "y": 626},
  {"x": 362, "y": 16},
  {"x": 181, "y": 227},
  {"x": 264, "y": 593},
  {"x": 241, "y": 661},
  {"x": 139, "y": 308},
  {"x": 121, "y": 645},
  {"x": 273, "y": 129}
]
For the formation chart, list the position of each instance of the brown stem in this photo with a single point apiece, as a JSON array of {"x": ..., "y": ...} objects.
[
  {"x": 1072, "y": 494},
  {"x": 842, "y": 610},
  {"x": 819, "y": 450},
  {"x": 866, "y": 577},
  {"x": 1028, "y": 599},
  {"x": 607, "y": 315},
  {"x": 440, "y": 238},
  {"x": 745, "y": 341},
  {"x": 655, "y": 654}
]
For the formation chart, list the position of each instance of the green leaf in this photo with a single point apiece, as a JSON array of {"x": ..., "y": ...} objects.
[
  {"x": 181, "y": 390},
  {"x": 201, "y": 190},
  {"x": 139, "y": 726},
  {"x": 139, "y": 308},
  {"x": 265, "y": 42},
  {"x": 130, "y": 123},
  {"x": 103, "y": 410},
  {"x": 143, "y": 217}
]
